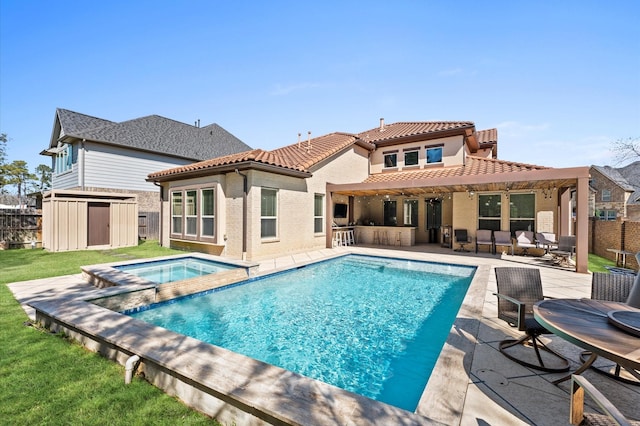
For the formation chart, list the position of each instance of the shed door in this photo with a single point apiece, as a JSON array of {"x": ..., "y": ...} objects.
[{"x": 98, "y": 224}]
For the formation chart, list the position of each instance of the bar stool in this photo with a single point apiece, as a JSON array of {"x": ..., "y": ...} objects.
[
  {"x": 385, "y": 238},
  {"x": 350, "y": 237},
  {"x": 376, "y": 237}
]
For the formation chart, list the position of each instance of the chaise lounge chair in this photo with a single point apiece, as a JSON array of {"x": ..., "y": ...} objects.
[
  {"x": 547, "y": 241},
  {"x": 518, "y": 290},
  {"x": 525, "y": 241}
]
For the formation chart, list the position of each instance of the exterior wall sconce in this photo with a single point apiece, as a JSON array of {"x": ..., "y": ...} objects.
[
  {"x": 548, "y": 192},
  {"x": 470, "y": 193}
]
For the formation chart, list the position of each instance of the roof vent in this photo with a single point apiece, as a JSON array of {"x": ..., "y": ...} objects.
[
  {"x": 299, "y": 134},
  {"x": 382, "y": 124},
  {"x": 308, "y": 141}
]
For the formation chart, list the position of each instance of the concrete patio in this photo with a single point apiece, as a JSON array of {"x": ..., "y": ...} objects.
[{"x": 498, "y": 392}]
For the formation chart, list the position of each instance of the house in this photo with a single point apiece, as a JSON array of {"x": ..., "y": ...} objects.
[
  {"x": 93, "y": 157},
  {"x": 403, "y": 183},
  {"x": 613, "y": 192},
  {"x": 631, "y": 173}
]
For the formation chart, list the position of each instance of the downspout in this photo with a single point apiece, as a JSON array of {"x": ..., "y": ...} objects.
[
  {"x": 244, "y": 214},
  {"x": 161, "y": 211},
  {"x": 129, "y": 368}
]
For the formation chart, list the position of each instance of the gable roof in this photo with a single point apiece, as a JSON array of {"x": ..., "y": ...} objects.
[
  {"x": 631, "y": 172},
  {"x": 153, "y": 134},
  {"x": 296, "y": 159},
  {"x": 615, "y": 176}
]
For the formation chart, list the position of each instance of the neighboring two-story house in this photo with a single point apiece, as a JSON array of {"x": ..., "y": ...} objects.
[
  {"x": 410, "y": 182},
  {"x": 612, "y": 193},
  {"x": 102, "y": 161}
]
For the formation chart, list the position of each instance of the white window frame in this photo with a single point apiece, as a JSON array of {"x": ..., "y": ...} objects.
[
  {"x": 264, "y": 217},
  {"x": 204, "y": 216},
  {"x": 190, "y": 219},
  {"x": 606, "y": 195},
  {"x": 408, "y": 206},
  {"x": 318, "y": 213},
  {"x": 175, "y": 216},
  {"x": 64, "y": 159}
]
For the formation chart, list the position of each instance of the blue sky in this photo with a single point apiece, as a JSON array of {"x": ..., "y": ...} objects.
[{"x": 559, "y": 79}]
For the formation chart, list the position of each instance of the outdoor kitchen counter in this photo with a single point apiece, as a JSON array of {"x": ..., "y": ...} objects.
[{"x": 386, "y": 235}]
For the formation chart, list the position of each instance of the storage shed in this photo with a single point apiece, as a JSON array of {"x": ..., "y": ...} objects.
[{"x": 80, "y": 220}]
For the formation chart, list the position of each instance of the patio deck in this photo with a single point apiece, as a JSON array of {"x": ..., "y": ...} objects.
[{"x": 498, "y": 391}]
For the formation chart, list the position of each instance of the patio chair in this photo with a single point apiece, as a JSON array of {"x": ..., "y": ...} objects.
[
  {"x": 525, "y": 241},
  {"x": 546, "y": 240},
  {"x": 612, "y": 288},
  {"x": 565, "y": 250},
  {"x": 518, "y": 290},
  {"x": 577, "y": 416},
  {"x": 484, "y": 237},
  {"x": 503, "y": 239},
  {"x": 461, "y": 237}
]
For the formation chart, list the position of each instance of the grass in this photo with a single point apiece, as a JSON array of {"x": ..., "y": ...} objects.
[
  {"x": 597, "y": 263},
  {"x": 46, "y": 379}
]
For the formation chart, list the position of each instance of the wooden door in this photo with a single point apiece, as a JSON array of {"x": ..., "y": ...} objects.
[{"x": 98, "y": 224}]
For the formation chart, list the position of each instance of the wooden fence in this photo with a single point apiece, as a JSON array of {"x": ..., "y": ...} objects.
[
  {"x": 149, "y": 225},
  {"x": 20, "y": 228}
]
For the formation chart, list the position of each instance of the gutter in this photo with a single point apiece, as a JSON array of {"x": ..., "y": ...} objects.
[{"x": 244, "y": 214}]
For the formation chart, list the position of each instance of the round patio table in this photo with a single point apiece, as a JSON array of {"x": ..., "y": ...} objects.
[{"x": 585, "y": 323}]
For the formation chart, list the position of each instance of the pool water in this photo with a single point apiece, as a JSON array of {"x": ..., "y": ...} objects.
[
  {"x": 170, "y": 270},
  {"x": 369, "y": 325}
]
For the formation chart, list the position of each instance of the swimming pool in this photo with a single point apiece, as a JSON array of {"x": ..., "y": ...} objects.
[
  {"x": 178, "y": 269},
  {"x": 373, "y": 326}
]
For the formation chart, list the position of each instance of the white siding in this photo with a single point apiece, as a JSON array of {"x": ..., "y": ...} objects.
[
  {"x": 66, "y": 180},
  {"x": 119, "y": 168}
]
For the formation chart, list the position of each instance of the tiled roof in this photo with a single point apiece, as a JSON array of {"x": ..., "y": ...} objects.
[
  {"x": 154, "y": 134},
  {"x": 474, "y": 166},
  {"x": 404, "y": 129},
  {"x": 488, "y": 136},
  {"x": 298, "y": 157}
]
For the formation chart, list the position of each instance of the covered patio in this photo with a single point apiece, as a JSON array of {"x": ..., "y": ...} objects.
[{"x": 561, "y": 200}]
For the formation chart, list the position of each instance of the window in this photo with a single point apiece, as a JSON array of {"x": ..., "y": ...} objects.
[
  {"x": 391, "y": 160},
  {"x": 411, "y": 158},
  {"x": 318, "y": 213},
  {"x": 607, "y": 214},
  {"x": 411, "y": 212},
  {"x": 191, "y": 212},
  {"x": 207, "y": 215},
  {"x": 522, "y": 212},
  {"x": 434, "y": 155},
  {"x": 176, "y": 212},
  {"x": 390, "y": 218},
  {"x": 606, "y": 195},
  {"x": 64, "y": 159},
  {"x": 490, "y": 211},
  {"x": 268, "y": 213}
]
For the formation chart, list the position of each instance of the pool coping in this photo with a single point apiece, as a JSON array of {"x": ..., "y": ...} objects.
[{"x": 236, "y": 388}]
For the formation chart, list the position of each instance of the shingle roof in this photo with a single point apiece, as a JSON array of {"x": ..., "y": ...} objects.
[
  {"x": 404, "y": 129},
  {"x": 474, "y": 166},
  {"x": 154, "y": 134},
  {"x": 631, "y": 173},
  {"x": 298, "y": 157},
  {"x": 615, "y": 177}
]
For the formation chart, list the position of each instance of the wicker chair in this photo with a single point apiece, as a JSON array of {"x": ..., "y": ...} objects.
[
  {"x": 581, "y": 386},
  {"x": 518, "y": 290},
  {"x": 612, "y": 288}
]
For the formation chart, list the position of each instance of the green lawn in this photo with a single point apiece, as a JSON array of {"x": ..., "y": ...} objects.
[{"x": 46, "y": 379}]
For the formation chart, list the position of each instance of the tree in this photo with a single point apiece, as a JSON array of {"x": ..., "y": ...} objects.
[
  {"x": 18, "y": 174},
  {"x": 43, "y": 178},
  {"x": 626, "y": 149}
]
